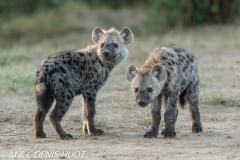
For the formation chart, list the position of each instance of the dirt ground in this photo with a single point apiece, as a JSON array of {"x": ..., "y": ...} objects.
[{"x": 125, "y": 123}]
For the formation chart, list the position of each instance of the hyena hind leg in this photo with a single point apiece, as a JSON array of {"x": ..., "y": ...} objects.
[
  {"x": 192, "y": 98},
  {"x": 44, "y": 102},
  {"x": 61, "y": 107}
]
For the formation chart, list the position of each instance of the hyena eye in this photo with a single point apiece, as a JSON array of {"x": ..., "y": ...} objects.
[
  {"x": 102, "y": 44},
  {"x": 150, "y": 89},
  {"x": 115, "y": 45},
  {"x": 135, "y": 89}
]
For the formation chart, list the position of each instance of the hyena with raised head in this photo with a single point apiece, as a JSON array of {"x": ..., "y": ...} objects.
[
  {"x": 168, "y": 76},
  {"x": 82, "y": 71}
]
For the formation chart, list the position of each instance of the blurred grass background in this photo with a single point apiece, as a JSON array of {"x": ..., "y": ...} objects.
[{"x": 31, "y": 30}]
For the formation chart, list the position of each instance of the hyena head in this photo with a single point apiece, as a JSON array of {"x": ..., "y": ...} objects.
[
  {"x": 112, "y": 43},
  {"x": 146, "y": 83}
]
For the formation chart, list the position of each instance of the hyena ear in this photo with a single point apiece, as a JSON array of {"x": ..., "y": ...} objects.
[
  {"x": 131, "y": 72},
  {"x": 127, "y": 35},
  {"x": 96, "y": 35},
  {"x": 159, "y": 72}
]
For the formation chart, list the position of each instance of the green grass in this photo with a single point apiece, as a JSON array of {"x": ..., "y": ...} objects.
[
  {"x": 47, "y": 24},
  {"x": 75, "y": 118},
  {"x": 220, "y": 99}
]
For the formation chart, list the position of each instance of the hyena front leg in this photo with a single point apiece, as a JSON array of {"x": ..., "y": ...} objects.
[
  {"x": 156, "y": 118},
  {"x": 88, "y": 116},
  {"x": 170, "y": 116}
]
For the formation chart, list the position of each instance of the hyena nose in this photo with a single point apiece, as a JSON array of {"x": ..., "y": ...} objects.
[
  {"x": 105, "y": 53},
  {"x": 141, "y": 103}
]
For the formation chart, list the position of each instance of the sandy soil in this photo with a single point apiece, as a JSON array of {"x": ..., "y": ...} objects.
[{"x": 125, "y": 123}]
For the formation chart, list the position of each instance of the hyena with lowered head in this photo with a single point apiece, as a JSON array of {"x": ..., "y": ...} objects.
[
  {"x": 168, "y": 76},
  {"x": 66, "y": 74}
]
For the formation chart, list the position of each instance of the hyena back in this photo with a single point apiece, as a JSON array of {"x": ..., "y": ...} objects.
[
  {"x": 66, "y": 74},
  {"x": 169, "y": 76}
]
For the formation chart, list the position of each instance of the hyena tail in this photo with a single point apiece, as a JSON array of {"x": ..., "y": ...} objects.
[
  {"x": 182, "y": 99},
  {"x": 44, "y": 97}
]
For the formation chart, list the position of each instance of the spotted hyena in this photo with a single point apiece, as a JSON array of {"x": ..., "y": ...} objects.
[
  {"x": 82, "y": 71},
  {"x": 168, "y": 76}
]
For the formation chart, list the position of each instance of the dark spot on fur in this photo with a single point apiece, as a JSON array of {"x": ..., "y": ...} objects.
[
  {"x": 56, "y": 63},
  {"x": 170, "y": 64},
  {"x": 173, "y": 62},
  {"x": 184, "y": 68},
  {"x": 61, "y": 81},
  {"x": 69, "y": 97},
  {"x": 90, "y": 99},
  {"x": 41, "y": 79},
  {"x": 100, "y": 62},
  {"x": 95, "y": 69},
  {"x": 54, "y": 70},
  {"x": 62, "y": 69},
  {"x": 170, "y": 55},
  {"x": 93, "y": 61},
  {"x": 168, "y": 73},
  {"x": 177, "y": 50},
  {"x": 71, "y": 94},
  {"x": 64, "y": 62},
  {"x": 81, "y": 68},
  {"x": 81, "y": 54}
]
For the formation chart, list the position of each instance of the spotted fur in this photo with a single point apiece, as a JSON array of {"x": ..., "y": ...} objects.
[
  {"x": 82, "y": 71},
  {"x": 169, "y": 76}
]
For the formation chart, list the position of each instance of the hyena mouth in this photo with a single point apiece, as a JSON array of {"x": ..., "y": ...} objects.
[{"x": 109, "y": 58}]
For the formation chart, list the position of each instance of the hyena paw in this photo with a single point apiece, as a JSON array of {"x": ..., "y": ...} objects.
[
  {"x": 197, "y": 127},
  {"x": 163, "y": 132},
  {"x": 150, "y": 134},
  {"x": 96, "y": 132},
  {"x": 66, "y": 136},
  {"x": 39, "y": 135},
  {"x": 91, "y": 130},
  {"x": 168, "y": 133}
]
